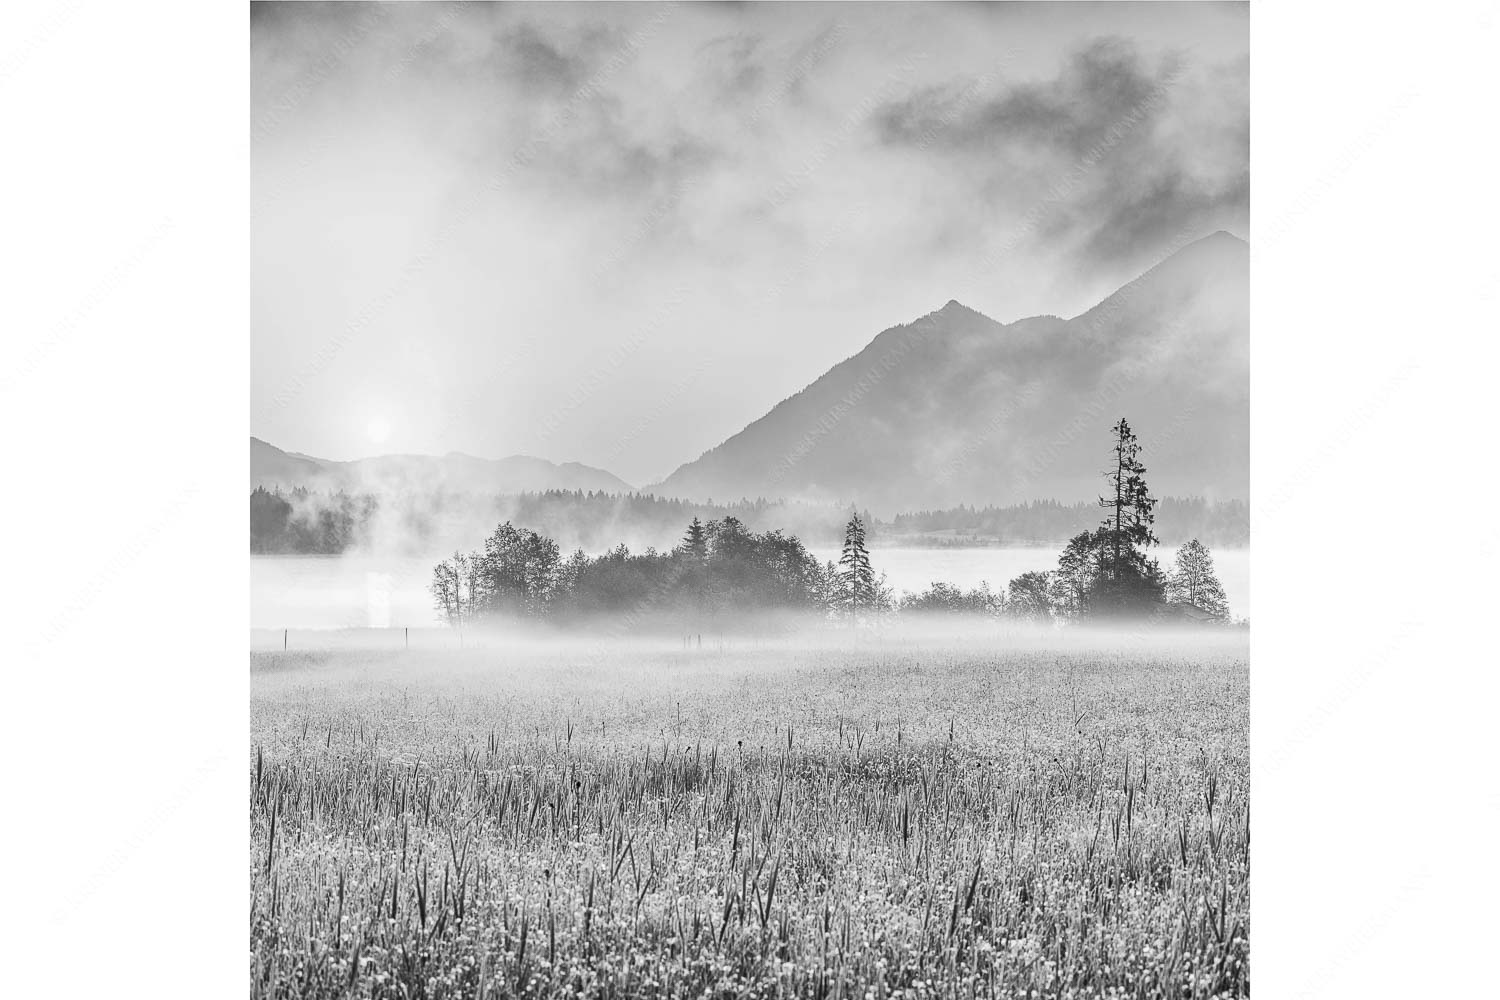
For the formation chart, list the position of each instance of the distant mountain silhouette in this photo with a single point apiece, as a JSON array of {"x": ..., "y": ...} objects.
[
  {"x": 455, "y": 472},
  {"x": 958, "y": 408}
]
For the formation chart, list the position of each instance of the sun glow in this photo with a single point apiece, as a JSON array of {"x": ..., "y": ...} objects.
[{"x": 378, "y": 430}]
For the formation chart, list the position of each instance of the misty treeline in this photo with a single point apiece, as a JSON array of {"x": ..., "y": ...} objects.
[
  {"x": 306, "y": 523},
  {"x": 1223, "y": 523},
  {"x": 719, "y": 575},
  {"x": 303, "y": 522}
]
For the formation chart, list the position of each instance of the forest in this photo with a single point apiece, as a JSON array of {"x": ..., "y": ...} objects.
[{"x": 721, "y": 571}]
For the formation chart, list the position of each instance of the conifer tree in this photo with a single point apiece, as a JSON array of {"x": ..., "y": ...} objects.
[
  {"x": 696, "y": 577},
  {"x": 696, "y": 540},
  {"x": 1130, "y": 581},
  {"x": 856, "y": 576}
]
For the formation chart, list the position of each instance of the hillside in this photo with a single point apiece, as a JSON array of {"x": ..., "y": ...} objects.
[
  {"x": 958, "y": 408},
  {"x": 453, "y": 473}
]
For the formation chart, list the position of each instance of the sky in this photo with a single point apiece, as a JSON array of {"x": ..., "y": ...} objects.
[{"x": 618, "y": 233}]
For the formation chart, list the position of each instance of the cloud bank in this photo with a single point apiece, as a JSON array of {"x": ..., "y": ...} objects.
[{"x": 535, "y": 228}]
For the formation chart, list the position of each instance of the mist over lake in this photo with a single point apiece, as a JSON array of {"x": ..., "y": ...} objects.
[{"x": 358, "y": 591}]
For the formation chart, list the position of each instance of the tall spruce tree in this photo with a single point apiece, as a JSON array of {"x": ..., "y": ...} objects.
[
  {"x": 1130, "y": 581},
  {"x": 696, "y": 540},
  {"x": 856, "y": 576},
  {"x": 695, "y": 577}
]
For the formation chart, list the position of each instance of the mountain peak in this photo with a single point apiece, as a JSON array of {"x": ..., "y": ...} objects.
[
  {"x": 957, "y": 407},
  {"x": 955, "y": 315},
  {"x": 957, "y": 308}
]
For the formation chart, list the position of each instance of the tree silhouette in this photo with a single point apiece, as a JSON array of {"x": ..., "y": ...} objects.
[
  {"x": 857, "y": 577},
  {"x": 518, "y": 572},
  {"x": 696, "y": 540},
  {"x": 1130, "y": 582}
]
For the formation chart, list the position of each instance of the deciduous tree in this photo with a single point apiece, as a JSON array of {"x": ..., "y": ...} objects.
[
  {"x": 1192, "y": 580},
  {"x": 1029, "y": 598}
]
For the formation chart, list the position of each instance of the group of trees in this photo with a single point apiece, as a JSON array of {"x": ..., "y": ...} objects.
[
  {"x": 948, "y": 599},
  {"x": 1104, "y": 574},
  {"x": 721, "y": 572},
  {"x": 1108, "y": 573},
  {"x": 1068, "y": 594}
]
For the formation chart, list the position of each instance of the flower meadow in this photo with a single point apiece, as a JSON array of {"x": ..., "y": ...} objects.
[{"x": 1046, "y": 814}]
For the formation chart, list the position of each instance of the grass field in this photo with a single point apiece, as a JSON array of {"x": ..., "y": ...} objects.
[{"x": 1024, "y": 816}]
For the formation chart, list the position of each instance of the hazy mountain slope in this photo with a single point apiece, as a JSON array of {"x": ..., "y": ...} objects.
[
  {"x": 269, "y": 465},
  {"x": 958, "y": 408},
  {"x": 454, "y": 472}
]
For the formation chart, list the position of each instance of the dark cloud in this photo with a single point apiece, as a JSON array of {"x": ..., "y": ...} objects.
[
  {"x": 1110, "y": 158},
  {"x": 1170, "y": 204},
  {"x": 538, "y": 64},
  {"x": 1098, "y": 86},
  {"x": 498, "y": 49}
]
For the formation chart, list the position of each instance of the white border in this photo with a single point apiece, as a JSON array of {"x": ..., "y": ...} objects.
[
  {"x": 1373, "y": 283},
  {"x": 125, "y": 408}
]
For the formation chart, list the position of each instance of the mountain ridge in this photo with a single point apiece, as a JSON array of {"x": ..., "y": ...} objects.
[{"x": 1178, "y": 332}]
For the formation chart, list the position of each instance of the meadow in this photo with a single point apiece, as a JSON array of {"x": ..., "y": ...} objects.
[{"x": 1011, "y": 814}]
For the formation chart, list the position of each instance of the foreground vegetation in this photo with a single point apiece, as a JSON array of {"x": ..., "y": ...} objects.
[{"x": 1062, "y": 813}]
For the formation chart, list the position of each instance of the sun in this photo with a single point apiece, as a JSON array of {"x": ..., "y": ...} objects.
[{"x": 378, "y": 430}]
